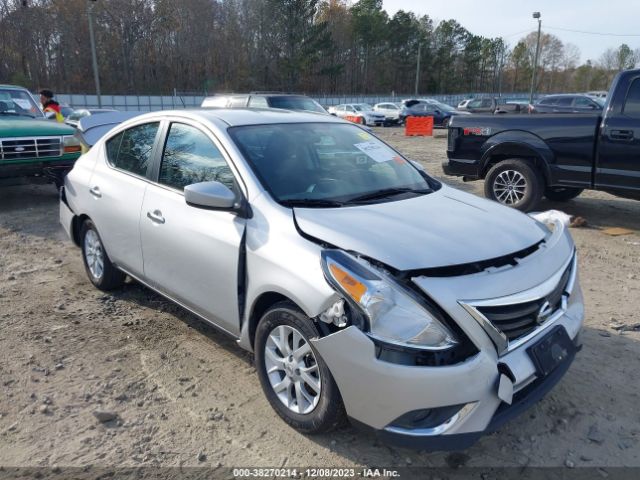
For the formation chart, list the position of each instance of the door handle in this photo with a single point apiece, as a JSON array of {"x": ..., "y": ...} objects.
[
  {"x": 156, "y": 216},
  {"x": 621, "y": 134},
  {"x": 95, "y": 191}
]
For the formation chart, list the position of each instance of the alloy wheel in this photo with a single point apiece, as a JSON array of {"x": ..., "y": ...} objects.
[
  {"x": 292, "y": 369},
  {"x": 509, "y": 187},
  {"x": 94, "y": 255}
]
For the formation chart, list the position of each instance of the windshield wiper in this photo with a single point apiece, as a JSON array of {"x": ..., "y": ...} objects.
[
  {"x": 311, "y": 203},
  {"x": 387, "y": 192}
]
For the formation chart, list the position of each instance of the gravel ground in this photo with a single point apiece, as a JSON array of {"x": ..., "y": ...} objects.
[{"x": 128, "y": 379}]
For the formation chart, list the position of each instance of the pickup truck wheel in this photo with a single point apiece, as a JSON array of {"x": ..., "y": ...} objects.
[
  {"x": 102, "y": 273},
  {"x": 562, "y": 194},
  {"x": 294, "y": 378},
  {"x": 514, "y": 183}
]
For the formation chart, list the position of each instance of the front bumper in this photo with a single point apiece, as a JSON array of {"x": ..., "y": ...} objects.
[{"x": 377, "y": 393}]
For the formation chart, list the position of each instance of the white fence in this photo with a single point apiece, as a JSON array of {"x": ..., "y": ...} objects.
[{"x": 147, "y": 103}]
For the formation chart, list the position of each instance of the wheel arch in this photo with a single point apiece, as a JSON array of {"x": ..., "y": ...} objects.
[
  {"x": 536, "y": 152},
  {"x": 260, "y": 305},
  {"x": 76, "y": 227}
]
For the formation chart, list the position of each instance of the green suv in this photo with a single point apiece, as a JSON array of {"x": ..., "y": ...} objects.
[{"x": 32, "y": 148}]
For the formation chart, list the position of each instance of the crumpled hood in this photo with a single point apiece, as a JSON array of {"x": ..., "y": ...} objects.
[{"x": 444, "y": 228}]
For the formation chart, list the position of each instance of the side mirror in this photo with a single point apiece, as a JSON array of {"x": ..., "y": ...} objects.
[
  {"x": 49, "y": 115},
  {"x": 438, "y": 112},
  {"x": 213, "y": 195}
]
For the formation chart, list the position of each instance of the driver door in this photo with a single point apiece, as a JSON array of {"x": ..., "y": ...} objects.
[{"x": 192, "y": 254}]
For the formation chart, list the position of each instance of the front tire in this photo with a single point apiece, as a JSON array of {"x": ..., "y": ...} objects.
[
  {"x": 514, "y": 183},
  {"x": 562, "y": 194},
  {"x": 294, "y": 378},
  {"x": 102, "y": 273}
]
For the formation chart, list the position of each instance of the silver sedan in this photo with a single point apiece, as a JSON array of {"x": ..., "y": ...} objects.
[{"x": 365, "y": 288}]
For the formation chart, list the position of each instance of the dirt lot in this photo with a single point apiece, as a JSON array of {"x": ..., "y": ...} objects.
[{"x": 186, "y": 395}]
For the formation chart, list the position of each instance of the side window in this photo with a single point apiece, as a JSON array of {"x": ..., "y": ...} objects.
[
  {"x": 486, "y": 103},
  {"x": 564, "y": 102},
  {"x": 474, "y": 104},
  {"x": 259, "y": 102},
  {"x": 547, "y": 101},
  {"x": 632, "y": 102},
  {"x": 131, "y": 149},
  {"x": 582, "y": 102},
  {"x": 191, "y": 157}
]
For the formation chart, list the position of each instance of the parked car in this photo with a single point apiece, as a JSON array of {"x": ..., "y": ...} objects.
[
  {"x": 597, "y": 93},
  {"x": 364, "y": 287},
  {"x": 265, "y": 100},
  {"x": 482, "y": 105},
  {"x": 32, "y": 148},
  {"x": 390, "y": 110},
  {"x": 525, "y": 158},
  {"x": 362, "y": 111},
  {"x": 440, "y": 112},
  {"x": 463, "y": 104},
  {"x": 92, "y": 128},
  {"x": 74, "y": 118},
  {"x": 575, "y": 103}
]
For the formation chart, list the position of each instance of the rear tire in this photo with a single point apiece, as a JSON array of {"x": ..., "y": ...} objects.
[
  {"x": 102, "y": 273},
  {"x": 562, "y": 194},
  {"x": 514, "y": 183},
  {"x": 282, "y": 331}
]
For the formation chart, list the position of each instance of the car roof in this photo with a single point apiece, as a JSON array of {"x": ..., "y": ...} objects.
[
  {"x": 248, "y": 116},
  {"x": 13, "y": 86}
]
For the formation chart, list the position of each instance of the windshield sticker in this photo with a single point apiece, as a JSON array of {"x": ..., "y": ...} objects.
[
  {"x": 376, "y": 151},
  {"x": 364, "y": 135}
]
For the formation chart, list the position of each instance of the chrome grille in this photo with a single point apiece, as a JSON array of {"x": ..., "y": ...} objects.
[
  {"x": 22, "y": 148},
  {"x": 518, "y": 320},
  {"x": 513, "y": 320}
]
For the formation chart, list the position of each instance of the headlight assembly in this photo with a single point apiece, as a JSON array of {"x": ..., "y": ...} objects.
[
  {"x": 71, "y": 144},
  {"x": 392, "y": 314}
]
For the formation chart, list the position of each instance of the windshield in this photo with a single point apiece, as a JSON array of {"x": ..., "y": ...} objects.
[
  {"x": 18, "y": 102},
  {"x": 362, "y": 107},
  {"x": 307, "y": 163},
  {"x": 296, "y": 103}
]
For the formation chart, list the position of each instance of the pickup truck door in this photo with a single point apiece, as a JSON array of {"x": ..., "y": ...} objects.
[
  {"x": 618, "y": 157},
  {"x": 192, "y": 254}
]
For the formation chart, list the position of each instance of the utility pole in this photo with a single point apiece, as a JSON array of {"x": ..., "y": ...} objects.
[
  {"x": 94, "y": 56},
  {"x": 535, "y": 61},
  {"x": 418, "y": 69}
]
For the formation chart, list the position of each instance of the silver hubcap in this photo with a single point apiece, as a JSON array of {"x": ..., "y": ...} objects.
[
  {"x": 509, "y": 187},
  {"x": 94, "y": 254},
  {"x": 292, "y": 369}
]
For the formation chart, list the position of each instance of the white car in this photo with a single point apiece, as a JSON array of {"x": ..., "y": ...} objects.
[
  {"x": 364, "y": 287},
  {"x": 390, "y": 110},
  {"x": 363, "y": 112}
]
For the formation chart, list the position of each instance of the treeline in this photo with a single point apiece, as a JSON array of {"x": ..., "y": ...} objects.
[{"x": 313, "y": 46}]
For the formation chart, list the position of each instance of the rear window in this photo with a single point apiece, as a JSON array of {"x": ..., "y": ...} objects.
[{"x": 296, "y": 103}]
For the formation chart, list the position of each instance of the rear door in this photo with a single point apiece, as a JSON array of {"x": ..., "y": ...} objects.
[
  {"x": 618, "y": 160},
  {"x": 192, "y": 254},
  {"x": 118, "y": 184}
]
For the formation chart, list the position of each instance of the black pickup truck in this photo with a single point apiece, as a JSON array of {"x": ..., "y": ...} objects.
[{"x": 525, "y": 157}]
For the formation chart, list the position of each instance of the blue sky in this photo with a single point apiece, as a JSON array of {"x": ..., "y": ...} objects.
[{"x": 495, "y": 18}]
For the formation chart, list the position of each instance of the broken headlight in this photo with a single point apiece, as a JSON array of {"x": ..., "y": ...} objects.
[{"x": 392, "y": 313}]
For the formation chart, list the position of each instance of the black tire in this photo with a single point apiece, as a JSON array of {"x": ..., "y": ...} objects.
[
  {"x": 329, "y": 412},
  {"x": 526, "y": 191},
  {"x": 562, "y": 194},
  {"x": 363, "y": 121},
  {"x": 110, "y": 278}
]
